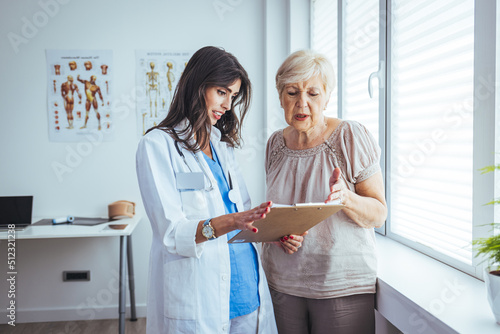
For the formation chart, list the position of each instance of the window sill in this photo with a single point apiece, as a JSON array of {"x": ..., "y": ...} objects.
[{"x": 418, "y": 294}]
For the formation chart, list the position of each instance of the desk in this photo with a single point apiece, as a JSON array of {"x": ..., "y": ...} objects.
[{"x": 100, "y": 230}]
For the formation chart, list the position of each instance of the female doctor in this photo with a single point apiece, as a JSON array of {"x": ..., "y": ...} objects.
[{"x": 195, "y": 198}]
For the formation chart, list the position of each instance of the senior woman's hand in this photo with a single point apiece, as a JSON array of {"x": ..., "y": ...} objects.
[
  {"x": 338, "y": 190},
  {"x": 291, "y": 243},
  {"x": 366, "y": 205}
]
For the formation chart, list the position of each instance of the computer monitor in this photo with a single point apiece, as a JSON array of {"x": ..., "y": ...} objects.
[{"x": 15, "y": 210}]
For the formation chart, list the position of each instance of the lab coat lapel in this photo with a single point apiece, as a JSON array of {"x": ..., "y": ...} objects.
[
  {"x": 227, "y": 166},
  {"x": 179, "y": 128},
  {"x": 223, "y": 161},
  {"x": 221, "y": 154}
]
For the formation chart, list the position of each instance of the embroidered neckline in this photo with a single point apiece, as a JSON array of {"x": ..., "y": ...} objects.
[{"x": 327, "y": 144}]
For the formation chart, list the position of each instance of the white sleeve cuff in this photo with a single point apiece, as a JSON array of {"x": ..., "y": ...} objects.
[{"x": 185, "y": 239}]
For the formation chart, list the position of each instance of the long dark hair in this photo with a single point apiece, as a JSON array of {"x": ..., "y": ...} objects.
[{"x": 208, "y": 67}]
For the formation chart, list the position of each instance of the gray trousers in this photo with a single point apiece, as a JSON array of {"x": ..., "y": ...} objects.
[{"x": 344, "y": 315}]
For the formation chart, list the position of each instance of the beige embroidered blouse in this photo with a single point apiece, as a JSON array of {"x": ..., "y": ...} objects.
[{"x": 337, "y": 257}]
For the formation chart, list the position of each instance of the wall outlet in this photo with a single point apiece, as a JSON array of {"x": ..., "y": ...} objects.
[{"x": 74, "y": 276}]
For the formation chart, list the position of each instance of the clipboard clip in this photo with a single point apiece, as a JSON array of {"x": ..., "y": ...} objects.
[{"x": 296, "y": 206}]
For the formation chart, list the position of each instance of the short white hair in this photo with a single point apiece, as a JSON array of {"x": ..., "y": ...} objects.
[{"x": 303, "y": 65}]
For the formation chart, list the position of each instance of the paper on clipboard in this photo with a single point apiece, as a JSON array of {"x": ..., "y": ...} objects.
[{"x": 287, "y": 219}]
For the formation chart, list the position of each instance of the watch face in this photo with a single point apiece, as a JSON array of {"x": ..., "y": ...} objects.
[{"x": 207, "y": 231}]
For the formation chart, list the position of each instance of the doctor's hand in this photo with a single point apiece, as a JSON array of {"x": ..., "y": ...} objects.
[
  {"x": 234, "y": 221},
  {"x": 338, "y": 190},
  {"x": 244, "y": 220}
]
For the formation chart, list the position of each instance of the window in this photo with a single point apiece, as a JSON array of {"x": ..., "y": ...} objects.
[
  {"x": 431, "y": 135},
  {"x": 324, "y": 38},
  {"x": 418, "y": 57},
  {"x": 360, "y": 55}
]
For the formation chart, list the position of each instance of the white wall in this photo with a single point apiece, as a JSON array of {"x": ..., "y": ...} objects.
[{"x": 107, "y": 174}]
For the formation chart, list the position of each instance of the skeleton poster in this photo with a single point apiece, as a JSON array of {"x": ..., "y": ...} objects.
[
  {"x": 157, "y": 74},
  {"x": 79, "y": 95}
]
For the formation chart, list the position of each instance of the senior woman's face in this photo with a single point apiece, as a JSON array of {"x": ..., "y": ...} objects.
[{"x": 304, "y": 103}]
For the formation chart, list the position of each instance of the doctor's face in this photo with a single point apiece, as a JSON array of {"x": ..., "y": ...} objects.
[{"x": 220, "y": 99}]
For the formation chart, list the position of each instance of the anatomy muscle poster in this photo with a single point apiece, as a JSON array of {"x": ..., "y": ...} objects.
[
  {"x": 79, "y": 94},
  {"x": 157, "y": 74}
]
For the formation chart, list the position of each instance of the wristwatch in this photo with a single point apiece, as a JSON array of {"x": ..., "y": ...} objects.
[{"x": 208, "y": 230}]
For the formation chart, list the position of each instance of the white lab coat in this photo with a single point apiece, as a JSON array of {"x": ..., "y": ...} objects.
[{"x": 189, "y": 283}]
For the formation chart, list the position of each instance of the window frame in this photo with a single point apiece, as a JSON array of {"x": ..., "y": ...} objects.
[{"x": 485, "y": 44}]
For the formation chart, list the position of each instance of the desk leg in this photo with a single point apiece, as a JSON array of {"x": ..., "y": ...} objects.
[
  {"x": 131, "y": 284},
  {"x": 122, "y": 296}
]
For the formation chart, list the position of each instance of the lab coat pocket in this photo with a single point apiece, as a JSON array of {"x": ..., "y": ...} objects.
[
  {"x": 194, "y": 204},
  {"x": 180, "y": 290}
]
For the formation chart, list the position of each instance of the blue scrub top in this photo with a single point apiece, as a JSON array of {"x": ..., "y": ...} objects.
[{"x": 244, "y": 298}]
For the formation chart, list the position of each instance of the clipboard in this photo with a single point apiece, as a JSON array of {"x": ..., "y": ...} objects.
[{"x": 287, "y": 219}]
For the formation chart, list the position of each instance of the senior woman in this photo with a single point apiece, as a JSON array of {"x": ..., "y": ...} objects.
[{"x": 328, "y": 285}]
